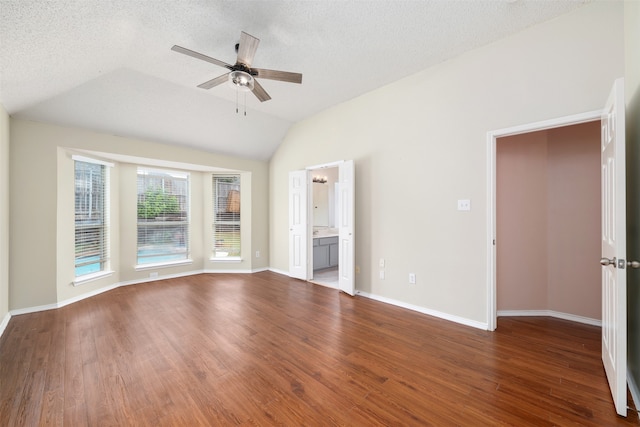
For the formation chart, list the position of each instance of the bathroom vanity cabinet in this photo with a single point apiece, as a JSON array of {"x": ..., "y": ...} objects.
[{"x": 325, "y": 252}]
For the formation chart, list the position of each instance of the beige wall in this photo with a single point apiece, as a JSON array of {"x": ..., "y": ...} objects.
[
  {"x": 4, "y": 214},
  {"x": 42, "y": 215},
  {"x": 548, "y": 221},
  {"x": 632, "y": 95},
  {"x": 419, "y": 144}
]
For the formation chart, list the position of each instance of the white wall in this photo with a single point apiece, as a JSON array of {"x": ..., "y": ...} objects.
[
  {"x": 4, "y": 217},
  {"x": 420, "y": 144},
  {"x": 42, "y": 213}
]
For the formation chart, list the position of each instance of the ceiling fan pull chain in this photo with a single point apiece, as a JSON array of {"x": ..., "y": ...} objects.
[
  {"x": 245, "y": 104},
  {"x": 236, "y": 101}
]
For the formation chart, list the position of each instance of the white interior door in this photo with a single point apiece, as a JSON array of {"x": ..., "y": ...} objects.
[
  {"x": 614, "y": 273},
  {"x": 346, "y": 225},
  {"x": 298, "y": 222}
]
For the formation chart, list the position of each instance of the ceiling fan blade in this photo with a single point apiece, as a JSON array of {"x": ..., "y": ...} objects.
[
  {"x": 283, "y": 76},
  {"x": 197, "y": 55},
  {"x": 247, "y": 48},
  {"x": 214, "y": 82},
  {"x": 259, "y": 92}
]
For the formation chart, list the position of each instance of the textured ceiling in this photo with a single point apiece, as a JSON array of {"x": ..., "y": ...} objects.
[{"x": 106, "y": 65}]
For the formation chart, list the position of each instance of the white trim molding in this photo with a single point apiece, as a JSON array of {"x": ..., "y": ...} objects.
[
  {"x": 95, "y": 292},
  {"x": 550, "y": 313},
  {"x": 278, "y": 271},
  {"x": 4, "y": 323},
  {"x": 81, "y": 280},
  {"x": 423, "y": 310},
  {"x": 633, "y": 389},
  {"x": 168, "y": 264},
  {"x": 227, "y": 271}
]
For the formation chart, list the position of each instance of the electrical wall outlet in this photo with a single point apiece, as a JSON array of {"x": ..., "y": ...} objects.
[
  {"x": 464, "y": 205},
  {"x": 381, "y": 262},
  {"x": 381, "y": 274},
  {"x": 257, "y": 254},
  {"x": 412, "y": 278},
  {"x": 153, "y": 275}
]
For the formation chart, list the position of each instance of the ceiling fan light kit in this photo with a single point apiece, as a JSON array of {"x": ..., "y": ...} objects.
[
  {"x": 241, "y": 75},
  {"x": 241, "y": 81}
]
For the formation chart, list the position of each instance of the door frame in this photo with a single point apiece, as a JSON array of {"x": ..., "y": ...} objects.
[
  {"x": 346, "y": 226},
  {"x": 492, "y": 136},
  {"x": 310, "y": 170}
]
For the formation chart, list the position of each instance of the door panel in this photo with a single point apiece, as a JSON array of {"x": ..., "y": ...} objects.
[
  {"x": 298, "y": 265},
  {"x": 614, "y": 278},
  {"x": 346, "y": 225}
]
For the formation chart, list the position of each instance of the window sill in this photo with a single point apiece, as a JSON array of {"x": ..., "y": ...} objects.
[
  {"x": 141, "y": 267},
  {"x": 226, "y": 259},
  {"x": 81, "y": 280}
]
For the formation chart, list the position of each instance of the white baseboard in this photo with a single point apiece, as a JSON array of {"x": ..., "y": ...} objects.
[
  {"x": 550, "y": 313},
  {"x": 275, "y": 270},
  {"x": 633, "y": 388},
  {"x": 227, "y": 271},
  {"x": 35, "y": 309},
  {"x": 4, "y": 323},
  {"x": 111, "y": 287},
  {"x": 423, "y": 310}
]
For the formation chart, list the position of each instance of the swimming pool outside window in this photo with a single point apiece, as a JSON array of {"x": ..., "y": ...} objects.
[
  {"x": 91, "y": 216},
  {"x": 163, "y": 216},
  {"x": 226, "y": 217}
]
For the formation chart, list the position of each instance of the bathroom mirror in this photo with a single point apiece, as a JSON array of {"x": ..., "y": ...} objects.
[{"x": 320, "y": 204}]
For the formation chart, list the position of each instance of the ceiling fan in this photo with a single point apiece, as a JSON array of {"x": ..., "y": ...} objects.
[{"x": 241, "y": 75}]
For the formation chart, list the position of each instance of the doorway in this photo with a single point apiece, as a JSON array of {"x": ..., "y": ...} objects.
[
  {"x": 548, "y": 223},
  {"x": 325, "y": 257},
  {"x": 492, "y": 241},
  {"x": 301, "y": 228}
]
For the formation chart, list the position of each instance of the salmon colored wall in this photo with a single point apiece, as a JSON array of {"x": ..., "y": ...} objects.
[
  {"x": 521, "y": 222},
  {"x": 574, "y": 220},
  {"x": 548, "y": 221}
]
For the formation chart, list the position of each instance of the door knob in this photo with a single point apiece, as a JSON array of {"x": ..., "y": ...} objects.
[
  {"x": 633, "y": 264},
  {"x": 606, "y": 261}
]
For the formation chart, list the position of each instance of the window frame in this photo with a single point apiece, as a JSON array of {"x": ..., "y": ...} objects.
[
  {"x": 235, "y": 221},
  {"x": 166, "y": 224},
  {"x": 104, "y": 225}
]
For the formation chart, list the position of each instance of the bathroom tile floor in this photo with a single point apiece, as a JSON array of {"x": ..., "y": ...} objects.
[{"x": 327, "y": 277}]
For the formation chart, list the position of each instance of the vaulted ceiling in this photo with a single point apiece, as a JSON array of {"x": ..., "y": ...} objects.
[{"x": 107, "y": 65}]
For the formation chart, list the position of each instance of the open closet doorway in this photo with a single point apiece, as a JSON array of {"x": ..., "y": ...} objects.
[
  {"x": 548, "y": 215},
  {"x": 493, "y": 239},
  {"x": 613, "y": 232}
]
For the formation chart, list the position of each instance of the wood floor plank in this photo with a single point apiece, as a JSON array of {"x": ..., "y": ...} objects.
[{"x": 265, "y": 349}]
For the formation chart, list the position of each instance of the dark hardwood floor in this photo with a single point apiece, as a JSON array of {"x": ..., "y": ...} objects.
[{"x": 264, "y": 349}]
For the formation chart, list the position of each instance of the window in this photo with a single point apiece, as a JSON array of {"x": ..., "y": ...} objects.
[
  {"x": 163, "y": 216},
  {"x": 91, "y": 217},
  {"x": 226, "y": 216}
]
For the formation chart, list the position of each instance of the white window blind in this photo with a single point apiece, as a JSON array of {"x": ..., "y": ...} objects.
[
  {"x": 226, "y": 216},
  {"x": 91, "y": 217},
  {"x": 163, "y": 216}
]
